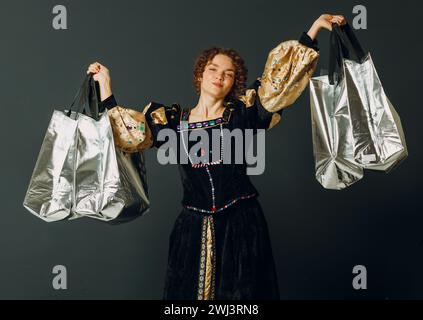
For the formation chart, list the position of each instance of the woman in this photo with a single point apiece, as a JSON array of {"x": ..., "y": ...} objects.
[{"x": 219, "y": 247}]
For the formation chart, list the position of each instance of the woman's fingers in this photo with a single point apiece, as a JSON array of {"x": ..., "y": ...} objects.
[
  {"x": 92, "y": 70},
  {"x": 96, "y": 67},
  {"x": 339, "y": 19}
]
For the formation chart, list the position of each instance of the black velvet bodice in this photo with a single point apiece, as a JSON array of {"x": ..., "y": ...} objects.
[
  {"x": 215, "y": 186},
  {"x": 212, "y": 187}
]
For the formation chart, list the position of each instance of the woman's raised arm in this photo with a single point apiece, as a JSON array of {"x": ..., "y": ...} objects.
[
  {"x": 133, "y": 130},
  {"x": 287, "y": 71}
]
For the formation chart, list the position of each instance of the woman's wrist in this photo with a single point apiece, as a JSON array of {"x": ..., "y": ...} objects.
[
  {"x": 105, "y": 89},
  {"x": 314, "y": 30}
]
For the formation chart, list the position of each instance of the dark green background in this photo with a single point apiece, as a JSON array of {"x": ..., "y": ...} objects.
[{"x": 318, "y": 236}]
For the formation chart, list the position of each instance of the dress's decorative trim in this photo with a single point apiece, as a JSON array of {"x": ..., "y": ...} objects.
[
  {"x": 200, "y": 124},
  {"x": 207, "y": 272},
  {"x": 201, "y": 164},
  {"x": 159, "y": 116},
  {"x": 248, "y": 98},
  {"x": 226, "y": 116},
  {"x": 212, "y": 191},
  {"x": 221, "y": 208}
]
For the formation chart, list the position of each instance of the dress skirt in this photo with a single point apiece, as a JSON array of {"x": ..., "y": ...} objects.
[{"x": 221, "y": 256}]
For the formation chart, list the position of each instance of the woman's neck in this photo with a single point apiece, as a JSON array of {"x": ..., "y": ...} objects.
[{"x": 207, "y": 108}]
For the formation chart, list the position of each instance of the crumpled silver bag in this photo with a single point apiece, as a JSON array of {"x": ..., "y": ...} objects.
[
  {"x": 332, "y": 135},
  {"x": 354, "y": 124},
  {"x": 49, "y": 194},
  {"x": 377, "y": 130},
  {"x": 80, "y": 173}
]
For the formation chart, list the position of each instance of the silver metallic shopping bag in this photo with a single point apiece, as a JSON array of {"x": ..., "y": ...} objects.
[
  {"x": 377, "y": 130},
  {"x": 332, "y": 135},
  {"x": 109, "y": 185},
  {"x": 80, "y": 173},
  {"x": 96, "y": 170},
  {"x": 107, "y": 180},
  {"x": 354, "y": 124},
  {"x": 49, "y": 192}
]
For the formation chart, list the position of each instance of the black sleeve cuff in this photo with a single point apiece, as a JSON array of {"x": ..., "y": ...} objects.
[
  {"x": 109, "y": 103},
  {"x": 306, "y": 40}
]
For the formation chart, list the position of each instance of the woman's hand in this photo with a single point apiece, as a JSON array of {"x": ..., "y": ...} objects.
[
  {"x": 325, "y": 21},
  {"x": 102, "y": 75}
]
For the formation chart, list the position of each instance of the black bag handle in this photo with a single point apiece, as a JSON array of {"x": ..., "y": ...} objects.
[
  {"x": 350, "y": 42},
  {"x": 86, "y": 96},
  {"x": 343, "y": 45},
  {"x": 335, "y": 58}
]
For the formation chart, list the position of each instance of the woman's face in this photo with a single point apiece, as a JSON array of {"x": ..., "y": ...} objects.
[{"x": 218, "y": 76}]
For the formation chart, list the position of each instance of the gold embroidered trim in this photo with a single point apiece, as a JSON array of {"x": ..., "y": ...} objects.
[
  {"x": 276, "y": 117},
  {"x": 159, "y": 116},
  {"x": 249, "y": 97},
  {"x": 207, "y": 274}
]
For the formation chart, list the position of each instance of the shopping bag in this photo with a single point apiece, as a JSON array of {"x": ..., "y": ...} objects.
[
  {"x": 109, "y": 184},
  {"x": 106, "y": 183},
  {"x": 332, "y": 129},
  {"x": 49, "y": 193},
  {"x": 377, "y": 130},
  {"x": 350, "y": 111},
  {"x": 332, "y": 135}
]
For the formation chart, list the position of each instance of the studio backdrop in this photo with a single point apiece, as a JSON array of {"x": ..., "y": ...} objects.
[{"x": 322, "y": 239}]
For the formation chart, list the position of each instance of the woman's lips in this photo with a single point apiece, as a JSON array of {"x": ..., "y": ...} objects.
[{"x": 218, "y": 85}]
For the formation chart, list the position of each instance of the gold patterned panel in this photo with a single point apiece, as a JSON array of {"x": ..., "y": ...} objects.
[
  {"x": 276, "y": 118},
  {"x": 287, "y": 72},
  {"x": 130, "y": 130},
  {"x": 159, "y": 116},
  {"x": 206, "y": 280},
  {"x": 249, "y": 97},
  {"x": 209, "y": 263}
]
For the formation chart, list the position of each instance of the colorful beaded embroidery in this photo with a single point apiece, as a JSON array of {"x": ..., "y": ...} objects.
[{"x": 200, "y": 124}]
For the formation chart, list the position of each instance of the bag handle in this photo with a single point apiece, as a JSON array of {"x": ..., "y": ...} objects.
[
  {"x": 335, "y": 57},
  {"x": 350, "y": 42},
  {"x": 86, "y": 96},
  {"x": 343, "y": 45}
]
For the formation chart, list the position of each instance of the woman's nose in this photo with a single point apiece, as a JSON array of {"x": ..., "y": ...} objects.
[{"x": 219, "y": 77}]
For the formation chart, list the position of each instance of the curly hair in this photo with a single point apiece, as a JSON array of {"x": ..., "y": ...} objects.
[{"x": 239, "y": 85}]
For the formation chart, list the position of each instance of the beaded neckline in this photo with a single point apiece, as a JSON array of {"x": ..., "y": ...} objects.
[{"x": 203, "y": 124}]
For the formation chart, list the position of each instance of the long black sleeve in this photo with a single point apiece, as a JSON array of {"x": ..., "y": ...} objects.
[
  {"x": 108, "y": 103},
  {"x": 307, "y": 41}
]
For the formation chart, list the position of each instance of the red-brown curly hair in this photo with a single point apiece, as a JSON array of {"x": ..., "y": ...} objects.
[{"x": 239, "y": 85}]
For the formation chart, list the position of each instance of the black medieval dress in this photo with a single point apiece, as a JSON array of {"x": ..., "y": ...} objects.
[{"x": 219, "y": 247}]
